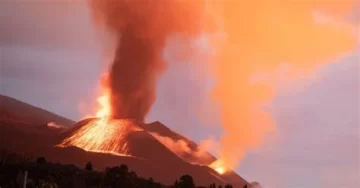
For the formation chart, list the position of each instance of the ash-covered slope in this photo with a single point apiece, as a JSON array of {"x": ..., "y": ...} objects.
[
  {"x": 15, "y": 110},
  {"x": 149, "y": 158},
  {"x": 191, "y": 156},
  {"x": 205, "y": 158},
  {"x": 134, "y": 146}
]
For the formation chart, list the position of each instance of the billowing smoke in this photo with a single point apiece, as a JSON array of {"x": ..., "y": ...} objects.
[
  {"x": 261, "y": 38},
  {"x": 252, "y": 37},
  {"x": 141, "y": 29},
  {"x": 181, "y": 148},
  {"x": 176, "y": 146}
]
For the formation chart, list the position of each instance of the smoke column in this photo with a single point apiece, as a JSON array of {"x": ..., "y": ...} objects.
[{"x": 141, "y": 29}]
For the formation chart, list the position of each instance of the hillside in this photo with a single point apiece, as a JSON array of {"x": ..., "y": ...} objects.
[
  {"x": 150, "y": 158},
  {"x": 15, "y": 110}
]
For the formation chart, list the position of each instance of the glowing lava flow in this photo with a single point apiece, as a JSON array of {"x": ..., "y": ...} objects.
[
  {"x": 219, "y": 167},
  {"x": 102, "y": 134},
  {"x": 105, "y": 110}
]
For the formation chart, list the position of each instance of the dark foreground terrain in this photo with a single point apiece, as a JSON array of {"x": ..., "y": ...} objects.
[{"x": 16, "y": 169}]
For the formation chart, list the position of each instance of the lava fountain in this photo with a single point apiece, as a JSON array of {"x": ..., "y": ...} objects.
[{"x": 101, "y": 133}]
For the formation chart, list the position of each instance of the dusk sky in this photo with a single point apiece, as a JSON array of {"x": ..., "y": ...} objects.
[{"x": 52, "y": 56}]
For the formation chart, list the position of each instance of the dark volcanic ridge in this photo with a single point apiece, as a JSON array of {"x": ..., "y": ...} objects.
[
  {"x": 16, "y": 110},
  {"x": 145, "y": 154}
]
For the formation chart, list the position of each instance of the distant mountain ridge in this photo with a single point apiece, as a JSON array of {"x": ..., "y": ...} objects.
[{"x": 19, "y": 111}]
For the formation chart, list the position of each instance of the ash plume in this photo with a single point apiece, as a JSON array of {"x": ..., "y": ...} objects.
[
  {"x": 260, "y": 38},
  {"x": 141, "y": 29},
  {"x": 254, "y": 38}
]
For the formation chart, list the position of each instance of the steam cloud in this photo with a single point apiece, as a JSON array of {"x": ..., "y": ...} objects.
[
  {"x": 142, "y": 28},
  {"x": 181, "y": 148},
  {"x": 256, "y": 37},
  {"x": 176, "y": 146},
  {"x": 55, "y": 125}
]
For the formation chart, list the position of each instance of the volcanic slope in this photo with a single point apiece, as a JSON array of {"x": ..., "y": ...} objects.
[
  {"x": 144, "y": 154},
  {"x": 15, "y": 110},
  {"x": 192, "y": 157}
]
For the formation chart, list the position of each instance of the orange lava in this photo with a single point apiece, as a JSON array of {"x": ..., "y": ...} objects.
[
  {"x": 220, "y": 170},
  {"x": 103, "y": 134},
  {"x": 219, "y": 166},
  {"x": 105, "y": 111}
]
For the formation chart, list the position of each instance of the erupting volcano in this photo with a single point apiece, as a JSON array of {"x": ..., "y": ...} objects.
[
  {"x": 248, "y": 55},
  {"x": 128, "y": 138},
  {"x": 140, "y": 30},
  {"x": 102, "y": 134},
  {"x": 106, "y": 142},
  {"x": 243, "y": 65}
]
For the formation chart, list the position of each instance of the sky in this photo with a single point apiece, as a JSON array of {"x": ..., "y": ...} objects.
[{"x": 52, "y": 56}]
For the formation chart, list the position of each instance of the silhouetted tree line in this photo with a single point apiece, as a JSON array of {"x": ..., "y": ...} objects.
[{"x": 44, "y": 174}]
